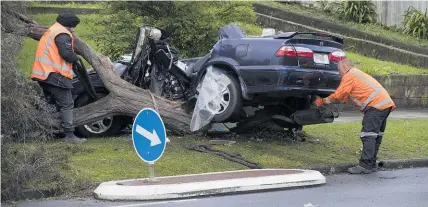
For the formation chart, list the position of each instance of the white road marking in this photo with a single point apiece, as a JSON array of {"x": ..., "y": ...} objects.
[{"x": 156, "y": 203}]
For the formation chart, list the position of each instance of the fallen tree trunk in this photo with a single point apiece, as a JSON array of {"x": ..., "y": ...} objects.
[{"x": 123, "y": 99}]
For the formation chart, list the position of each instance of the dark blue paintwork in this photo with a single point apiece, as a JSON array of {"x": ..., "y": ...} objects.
[{"x": 260, "y": 71}]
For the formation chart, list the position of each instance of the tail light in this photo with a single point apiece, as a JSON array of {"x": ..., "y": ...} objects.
[
  {"x": 291, "y": 51},
  {"x": 336, "y": 55},
  {"x": 286, "y": 51},
  {"x": 304, "y": 52}
]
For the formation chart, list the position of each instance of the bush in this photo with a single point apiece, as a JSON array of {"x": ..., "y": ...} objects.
[
  {"x": 416, "y": 23},
  {"x": 330, "y": 7},
  {"x": 193, "y": 26},
  {"x": 359, "y": 11},
  {"x": 27, "y": 169},
  {"x": 115, "y": 33}
]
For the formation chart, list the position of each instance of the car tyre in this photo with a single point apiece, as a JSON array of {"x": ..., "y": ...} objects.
[
  {"x": 111, "y": 125},
  {"x": 234, "y": 98}
]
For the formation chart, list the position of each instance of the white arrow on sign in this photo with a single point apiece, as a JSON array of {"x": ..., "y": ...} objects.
[{"x": 153, "y": 137}]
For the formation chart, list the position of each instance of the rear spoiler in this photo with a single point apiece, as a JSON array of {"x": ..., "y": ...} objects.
[{"x": 289, "y": 35}]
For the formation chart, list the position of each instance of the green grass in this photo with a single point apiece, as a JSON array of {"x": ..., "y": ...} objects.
[
  {"x": 83, "y": 30},
  {"x": 106, "y": 159},
  {"x": 115, "y": 158},
  {"x": 378, "y": 67},
  {"x": 99, "y": 5},
  {"x": 339, "y": 143},
  {"x": 374, "y": 29}
]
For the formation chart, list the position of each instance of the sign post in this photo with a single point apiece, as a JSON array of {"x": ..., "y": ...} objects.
[{"x": 149, "y": 138}]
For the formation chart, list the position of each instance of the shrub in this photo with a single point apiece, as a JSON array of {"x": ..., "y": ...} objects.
[
  {"x": 115, "y": 33},
  {"x": 331, "y": 7},
  {"x": 193, "y": 26},
  {"x": 359, "y": 11},
  {"x": 30, "y": 168},
  {"x": 416, "y": 23}
]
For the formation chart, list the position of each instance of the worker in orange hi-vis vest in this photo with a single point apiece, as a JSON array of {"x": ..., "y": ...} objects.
[
  {"x": 52, "y": 69},
  {"x": 371, "y": 99}
]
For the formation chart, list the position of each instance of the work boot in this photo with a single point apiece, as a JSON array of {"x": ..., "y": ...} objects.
[
  {"x": 359, "y": 170},
  {"x": 70, "y": 137}
]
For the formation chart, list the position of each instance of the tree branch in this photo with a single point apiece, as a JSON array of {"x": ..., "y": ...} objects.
[
  {"x": 21, "y": 17},
  {"x": 124, "y": 98}
]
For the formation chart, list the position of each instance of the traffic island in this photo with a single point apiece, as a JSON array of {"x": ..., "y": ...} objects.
[{"x": 184, "y": 186}]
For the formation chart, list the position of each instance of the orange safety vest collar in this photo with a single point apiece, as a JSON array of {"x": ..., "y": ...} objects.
[{"x": 48, "y": 59}]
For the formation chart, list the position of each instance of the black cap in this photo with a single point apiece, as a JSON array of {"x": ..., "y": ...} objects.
[{"x": 68, "y": 20}]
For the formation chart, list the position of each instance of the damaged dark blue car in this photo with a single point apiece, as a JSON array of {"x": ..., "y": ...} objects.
[{"x": 281, "y": 73}]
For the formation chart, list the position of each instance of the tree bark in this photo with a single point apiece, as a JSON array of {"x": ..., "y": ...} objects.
[{"x": 123, "y": 99}]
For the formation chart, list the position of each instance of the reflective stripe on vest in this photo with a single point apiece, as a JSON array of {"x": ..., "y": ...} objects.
[
  {"x": 375, "y": 92},
  {"x": 39, "y": 72},
  {"x": 49, "y": 42},
  {"x": 55, "y": 65}
]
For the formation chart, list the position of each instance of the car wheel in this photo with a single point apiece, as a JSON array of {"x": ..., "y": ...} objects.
[
  {"x": 106, "y": 127},
  {"x": 231, "y": 102}
]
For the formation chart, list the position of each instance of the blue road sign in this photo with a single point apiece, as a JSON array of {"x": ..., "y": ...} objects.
[{"x": 149, "y": 135}]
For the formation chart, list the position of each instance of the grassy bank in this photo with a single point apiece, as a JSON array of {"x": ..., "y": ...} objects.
[
  {"x": 374, "y": 29},
  {"x": 115, "y": 158},
  {"x": 379, "y": 67}
]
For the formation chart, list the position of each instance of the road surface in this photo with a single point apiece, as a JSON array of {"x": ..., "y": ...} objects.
[
  {"x": 350, "y": 116},
  {"x": 409, "y": 188},
  {"x": 356, "y": 116}
]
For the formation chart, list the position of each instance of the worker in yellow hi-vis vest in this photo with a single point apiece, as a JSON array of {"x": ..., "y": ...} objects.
[
  {"x": 371, "y": 99},
  {"x": 52, "y": 69}
]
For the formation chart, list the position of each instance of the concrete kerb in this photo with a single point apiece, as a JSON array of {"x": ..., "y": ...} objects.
[
  {"x": 384, "y": 164},
  {"x": 112, "y": 191}
]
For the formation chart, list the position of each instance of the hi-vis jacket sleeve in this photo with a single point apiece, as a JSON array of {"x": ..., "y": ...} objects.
[{"x": 343, "y": 91}]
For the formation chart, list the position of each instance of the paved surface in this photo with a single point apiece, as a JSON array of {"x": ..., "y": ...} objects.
[
  {"x": 349, "y": 116},
  {"x": 409, "y": 188}
]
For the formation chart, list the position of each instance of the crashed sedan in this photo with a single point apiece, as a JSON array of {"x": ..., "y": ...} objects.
[{"x": 279, "y": 73}]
